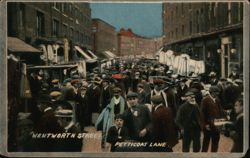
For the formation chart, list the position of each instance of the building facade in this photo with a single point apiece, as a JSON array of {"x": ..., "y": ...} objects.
[
  {"x": 206, "y": 31},
  {"x": 133, "y": 45},
  {"x": 37, "y": 22},
  {"x": 104, "y": 36}
]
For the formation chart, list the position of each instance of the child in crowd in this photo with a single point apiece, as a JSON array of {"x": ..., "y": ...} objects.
[{"x": 117, "y": 133}]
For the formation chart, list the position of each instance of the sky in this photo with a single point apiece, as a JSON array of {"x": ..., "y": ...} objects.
[{"x": 143, "y": 19}]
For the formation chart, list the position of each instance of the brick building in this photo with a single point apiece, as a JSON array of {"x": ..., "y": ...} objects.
[
  {"x": 207, "y": 31},
  {"x": 131, "y": 44},
  {"x": 104, "y": 36},
  {"x": 38, "y": 22}
]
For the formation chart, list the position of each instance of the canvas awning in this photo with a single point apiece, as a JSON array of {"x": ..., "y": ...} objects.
[
  {"x": 53, "y": 66},
  {"x": 18, "y": 46},
  {"x": 85, "y": 55},
  {"x": 109, "y": 55},
  {"x": 90, "y": 52}
]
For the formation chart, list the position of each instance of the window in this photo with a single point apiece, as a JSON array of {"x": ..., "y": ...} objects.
[
  {"x": 190, "y": 27},
  {"x": 94, "y": 29},
  {"x": 40, "y": 24},
  {"x": 240, "y": 11},
  {"x": 71, "y": 32},
  {"x": 172, "y": 16},
  {"x": 81, "y": 38},
  {"x": 182, "y": 30},
  {"x": 197, "y": 16},
  {"x": 176, "y": 11},
  {"x": 22, "y": 15},
  {"x": 63, "y": 7},
  {"x": 76, "y": 36},
  {"x": 58, "y": 6},
  {"x": 182, "y": 8},
  {"x": 55, "y": 28},
  {"x": 176, "y": 32},
  {"x": 197, "y": 20},
  {"x": 65, "y": 30},
  {"x": 229, "y": 13},
  {"x": 70, "y": 8}
]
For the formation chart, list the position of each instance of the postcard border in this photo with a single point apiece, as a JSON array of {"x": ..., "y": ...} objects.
[{"x": 4, "y": 101}]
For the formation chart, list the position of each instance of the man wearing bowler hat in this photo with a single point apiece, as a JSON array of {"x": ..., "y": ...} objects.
[
  {"x": 189, "y": 122},
  {"x": 137, "y": 119}
]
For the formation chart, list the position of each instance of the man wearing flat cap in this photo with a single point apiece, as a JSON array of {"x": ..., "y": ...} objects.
[
  {"x": 211, "y": 109},
  {"x": 188, "y": 120},
  {"x": 163, "y": 128},
  {"x": 137, "y": 119},
  {"x": 55, "y": 85}
]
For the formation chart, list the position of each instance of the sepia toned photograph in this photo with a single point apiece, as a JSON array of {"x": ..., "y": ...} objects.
[{"x": 116, "y": 79}]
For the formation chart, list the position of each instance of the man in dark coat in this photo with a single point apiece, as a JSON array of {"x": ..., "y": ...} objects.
[
  {"x": 237, "y": 128},
  {"x": 137, "y": 119},
  {"x": 231, "y": 93},
  {"x": 48, "y": 124},
  {"x": 171, "y": 98},
  {"x": 82, "y": 111},
  {"x": 189, "y": 121},
  {"x": 163, "y": 128},
  {"x": 181, "y": 90},
  {"x": 142, "y": 96},
  {"x": 106, "y": 94},
  {"x": 93, "y": 94},
  {"x": 211, "y": 110}
]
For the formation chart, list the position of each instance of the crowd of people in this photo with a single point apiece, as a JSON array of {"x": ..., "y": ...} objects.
[{"x": 140, "y": 101}]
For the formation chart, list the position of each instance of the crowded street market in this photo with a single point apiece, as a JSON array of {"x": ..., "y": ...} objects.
[{"x": 130, "y": 100}]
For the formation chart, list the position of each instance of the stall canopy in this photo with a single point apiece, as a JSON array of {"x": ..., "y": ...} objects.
[
  {"x": 19, "y": 46},
  {"x": 94, "y": 56},
  {"x": 109, "y": 54},
  {"x": 85, "y": 55}
]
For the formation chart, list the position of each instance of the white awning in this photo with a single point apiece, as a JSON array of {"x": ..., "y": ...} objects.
[
  {"x": 83, "y": 53},
  {"x": 90, "y": 52},
  {"x": 109, "y": 54}
]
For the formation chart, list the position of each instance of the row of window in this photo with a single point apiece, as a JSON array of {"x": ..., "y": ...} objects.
[
  {"x": 68, "y": 8},
  {"x": 66, "y": 31},
  {"x": 210, "y": 23}
]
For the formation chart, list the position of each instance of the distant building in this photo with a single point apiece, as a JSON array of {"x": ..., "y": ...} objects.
[
  {"x": 133, "y": 45},
  {"x": 104, "y": 36},
  {"x": 207, "y": 31}
]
